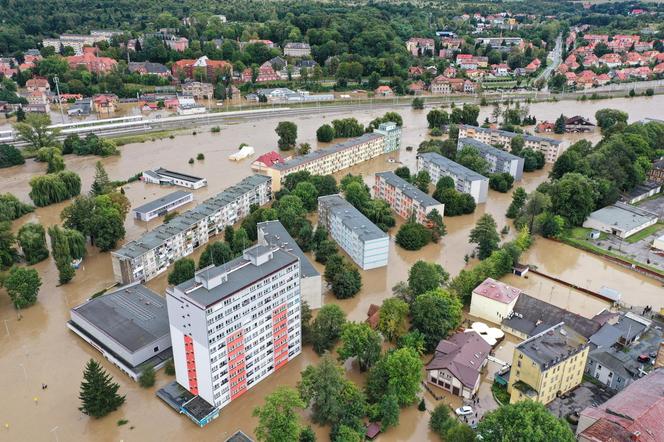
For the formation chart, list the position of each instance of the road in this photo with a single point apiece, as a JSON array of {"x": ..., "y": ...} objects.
[{"x": 556, "y": 58}]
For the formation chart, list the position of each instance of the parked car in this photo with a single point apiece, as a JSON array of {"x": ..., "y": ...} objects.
[
  {"x": 643, "y": 358},
  {"x": 464, "y": 411}
]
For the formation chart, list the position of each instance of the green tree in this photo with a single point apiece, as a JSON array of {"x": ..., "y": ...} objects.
[
  {"x": 101, "y": 184},
  {"x": 559, "y": 125},
  {"x": 437, "y": 118},
  {"x": 549, "y": 225},
  {"x": 99, "y": 394},
  {"x": 344, "y": 433},
  {"x": 413, "y": 236},
  {"x": 434, "y": 314},
  {"x": 425, "y": 276},
  {"x": 403, "y": 172},
  {"x": 10, "y": 156},
  {"x": 404, "y": 372},
  {"x": 359, "y": 340},
  {"x": 517, "y": 144},
  {"x": 357, "y": 194},
  {"x": 307, "y": 435},
  {"x": 501, "y": 182},
  {"x": 22, "y": 286},
  {"x": 414, "y": 340},
  {"x": 287, "y": 132},
  {"x": 305, "y": 321},
  {"x": 471, "y": 158},
  {"x": 32, "y": 240},
  {"x": 536, "y": 203},
  {"x": 325, "y": 133},
  {"x": 11, "y": 208},
  {"x": 346, "y": 282},
  {"x": 389, "y": 411},
  {"x": 277, "y": 419},
  {"x": 325, "y": 250},
  {"x": 418, "y": 103},
  {"x": 485, "y": 235},
  {"x": 35, "y": 132},
  {"x": 241, "y": 241},
  {"x": 461, "y": 433},
  {"x": 436, "y": 225},
  {"x": 441, "y": 421},
  {"x": 183, "y": 270},
  {"x": 147, "y": 377},
  {"x": 326, "y": 327},
  {"x": 308, "y": 194},
  {"x": 303, "y": 148},
  {"x": 216, "y": 253},
  {"x": 518, "y": 200},
  {"x": 422, "y": 181},
  {"x": 573, "y": 197},
  {"x": 524, "y": 420},
  {"x": 392, "y": 318},
  {"x": 53, "y": 188},
  {"x": 608, "y": 118}
]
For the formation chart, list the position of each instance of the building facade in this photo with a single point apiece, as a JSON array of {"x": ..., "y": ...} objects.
[
  {"x": 392, "y": 134},
  {"x": 150, "y": 255},
  {"x": 163, "y": 176},
  {"x": 493, "y": 300},
  {"x": 233, "y": 325},
  {"x": 547, "y": 365},
  {"x": 550, "y": 148},
  {"x": 404, "y": 198},
  {"x": 620, "y": 219},
  {"x": 297, "y": 49},
  {"x": 364, "y": 242},
  {"x": 465, "y": 180},
  {"x": 499, "y": 160},
  {"x": 163, "y": 205},
  {"x": 334, "y": 158}
]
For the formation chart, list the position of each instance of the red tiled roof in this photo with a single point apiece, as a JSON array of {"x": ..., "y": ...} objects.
[
  {"x": 638, "y": 407},
  {"x": 606, "y": 431},
  {"x": 270, "y": 158},
  {"x": 497, "y": 291}
]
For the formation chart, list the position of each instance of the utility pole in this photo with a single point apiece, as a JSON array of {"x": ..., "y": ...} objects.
[{"x": 56, "y": 80}]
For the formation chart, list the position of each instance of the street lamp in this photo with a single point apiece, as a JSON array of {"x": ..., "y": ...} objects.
[{"x": 56, "y": 80}]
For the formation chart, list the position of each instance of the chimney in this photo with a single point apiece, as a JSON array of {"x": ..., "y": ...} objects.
[{"x": 635, "y": 436}]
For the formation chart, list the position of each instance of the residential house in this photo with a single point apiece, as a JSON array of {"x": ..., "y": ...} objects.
[
  {"x": 578, "y": 123},
  {"x": 265, "y": 161},
  {"x": 420, "y": 46},
  {"x": 38, "y": 85},
  {"x": 469, "y": 87},
  {"x": 198, "y": 90},
  {"x": 178, "y": 44},
  {"x": 201, "y": 69},
  {"x": 549, "y": 147},
  {"x": 500, "y": 70},
  {"x": 265, "y": 73},
  {"x": 590, "y": 60},
  {"x": 656, "y": 173},
  {"x": 544, "y": 127},
  {"x": 384, "y": 91},
  {"x": 458, "y": 362},
  {"x": 149, "y": 68},
  {"x": 498, "y": 160},
  {"x": 104, "y": 104},
  {"x": 417, "y": 87},
  {"x": 415, "y": 71},
  {"x": 467, "y": 61},
  {"x": 610, "y": 60},
  {"x": 440, "y": 85},
  {"x": 533, "y": 66},
  {"x": 297, "y": 49},
  {"x": 493, "y": 300},
  {"x": 90, "y": 62},
  {"x": 278, "y": 63}
]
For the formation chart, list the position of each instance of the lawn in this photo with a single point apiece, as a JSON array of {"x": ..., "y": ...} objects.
[{"x": 645, "y": 233}]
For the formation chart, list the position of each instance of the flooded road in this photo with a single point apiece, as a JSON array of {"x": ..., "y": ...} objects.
[{"x": 39, "y": 348}]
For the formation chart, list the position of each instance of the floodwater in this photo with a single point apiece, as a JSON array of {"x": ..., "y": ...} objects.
[{"x": 38, "y": 348}]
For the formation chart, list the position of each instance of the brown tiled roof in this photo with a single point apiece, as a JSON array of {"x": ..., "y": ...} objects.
[
  {"x": 606, "y": 431},
  {"x": 463, "y": 355}
]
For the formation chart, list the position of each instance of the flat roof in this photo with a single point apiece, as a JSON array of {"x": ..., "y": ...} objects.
[
  {"x": 498, "y": 291},
  {"x": 505, "y": 133},
  {"x": 320, "y": 153},
  {"x": 622, "y": 216},
  {"x": 641, "y": 189},
  {"x": 352, "y": 218},
  {"x": 239, "y": 273},
  {"x": 454, "y": 168},
  {"x": 177, "y": 175},
  {"x": 408, "y": 189},
  {"x": 186, "y": 220},
  {"x": 552, "y": 345},
  {"x": 133, "y": 316},
  {"x": 163, "y": 201},
  {"x": 486, "y": 149},
  {"x": 276, "y": 234}
]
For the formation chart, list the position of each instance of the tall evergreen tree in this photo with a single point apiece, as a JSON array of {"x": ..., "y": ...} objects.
[
  {"x": 99, "y": 394},
  {"x": 101, "y": 184}
]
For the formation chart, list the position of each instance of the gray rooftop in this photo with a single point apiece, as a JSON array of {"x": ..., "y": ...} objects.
[
  {"x": 177, "y": 175},
  {"x": 351, "y": 218},
  {"x": 133, "y": 316},
  {"x": 234, "y": 275},
  {"x": 486, "y": 149},
  {"x": 614, "y": 360},
  {"x": 504, "y": 133},
  {"x": 276, "y": 235},
  {"x": 553, "y": 345},
  {"x": 185, "y": 221},
  {"x": 161, "y": 202},
  {"x": 456, "y": 169},
  {"x": 320, "y": 153},
  {"x": 408, "y": 189},
  {"x": 623, "y": 216}
]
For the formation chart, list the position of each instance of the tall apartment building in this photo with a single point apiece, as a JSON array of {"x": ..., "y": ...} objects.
[
  {"x": 547, "y": 364},
  {"x": 499, "y": 160},
  {"x": 150, "y": 255},
  {"x": 235, "y": 324},
  {"x": 549, "y": 147},
  {"x": 364, "y": 242},
  {"x": 465, "y": 180},
  {"x": 76, "y": 41},
  {"x": 406, "y": 199},
  {"x": 338, "y": 157}
]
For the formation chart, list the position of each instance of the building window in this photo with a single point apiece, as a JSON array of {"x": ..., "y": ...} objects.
[{"x": 156, "y": 349}]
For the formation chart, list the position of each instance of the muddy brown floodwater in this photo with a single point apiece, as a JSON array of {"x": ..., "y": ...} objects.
[{"x": 39, "y": 348}]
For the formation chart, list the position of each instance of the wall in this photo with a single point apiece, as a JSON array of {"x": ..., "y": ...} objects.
[{"x": 489, "y": 309}]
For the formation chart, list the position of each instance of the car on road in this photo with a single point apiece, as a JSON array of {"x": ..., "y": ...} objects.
[
  {"x": 464, "y": 411},
  {"x": 643, "y": 358}
]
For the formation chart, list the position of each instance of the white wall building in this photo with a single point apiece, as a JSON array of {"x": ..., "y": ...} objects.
[
  {"x": 465, "y": 180},
  {"x": 620, "y": 219},
  {"x": 164, "y": 176},
  {"x": 493, "y": 300},
  {"x": 364, "y": 242},
  {"x": 150, "y": 255},
  {"x": 163, "y": 205},
  {"x": 235, "y": 324}
]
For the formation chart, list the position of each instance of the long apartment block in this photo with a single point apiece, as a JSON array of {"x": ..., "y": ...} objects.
[
  {"x": 364, "y": 242},
  {"x": 465, "y": 180},
  {"x": 150, "y": 255},
  {"x": 386, "y": 138},
  {"x": 500, "y": 161},
  {"x": 404, "y": 198},
  {"x": 549, "y": 147},
  {"x": 235, "y": 324}
]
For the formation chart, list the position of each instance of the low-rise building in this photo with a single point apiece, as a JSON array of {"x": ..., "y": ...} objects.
[
  {"x": 163, "y": 205},
  {"x": 364, "y": 242},
  {"x": 634, "y": 414},
  {"x": 405, "y": 198},
  {"x": 149, "y": 68},
  {"x": 500, "y": 161},
  {"x": 38, "y": 85},
  {"x": 465, "y": 180},
  {"x": 297, "y": 49},
  {"x": 128, "y": 326},
  {"x": 202, "y": 67},
  {"x": 198, "y": 90},
  {"x": 76, "y": 41},
  {"x": 620, "y": 219},
  {"x": 493, "y": 300},
  {"x": 420, "y": 46},
  {"x": 458, "y": 362},
  {"x": 549, "y": 147},
  {"x": 151, "y": 254},
  {"x": 163, "y": 176},
  {"x": 642, "y": 191},
  {"x": 92, "y": 63},
  {"x": 578, "y": 123},
  {"x": 547, "y": 365},
  {"x": 265, "y": 161},
  {"x": 273, "y": 233},
  {"x": 334, "y": 158},
  {"x": 105, "y": 104}
]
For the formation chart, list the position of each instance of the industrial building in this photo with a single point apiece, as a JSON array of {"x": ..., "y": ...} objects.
[
  {"x": 163, "y": 205},
  {"x": 620, "y": 219},
  {"x": 465, "y": 180},
  {"x": 163, "y": 177}
]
